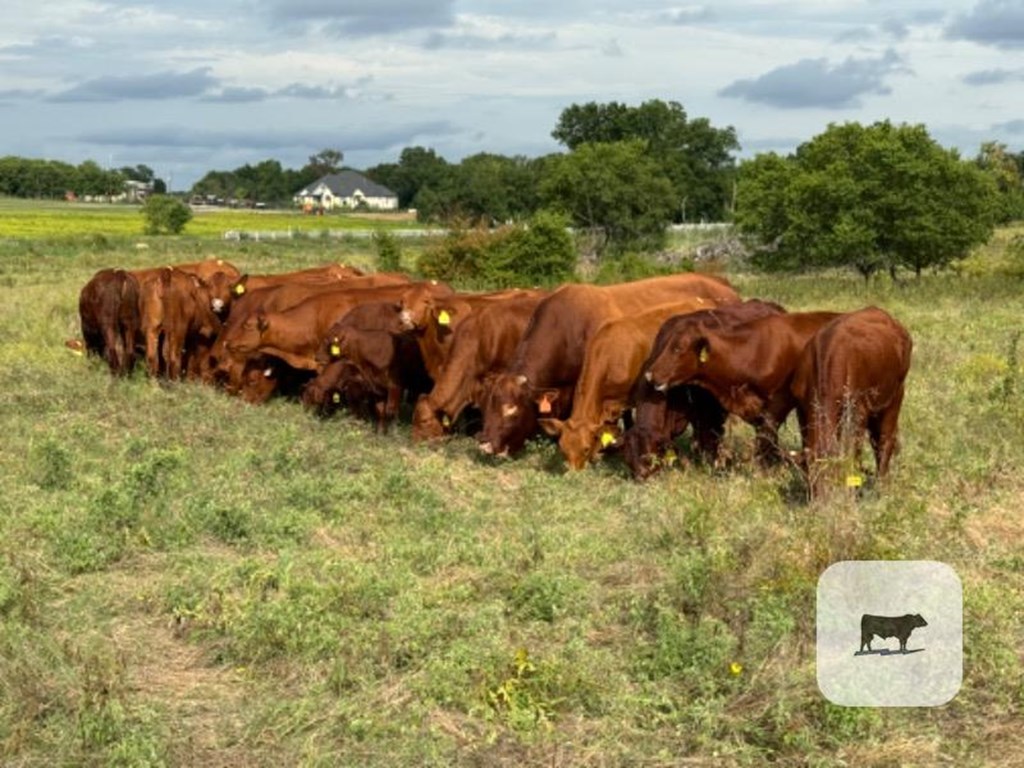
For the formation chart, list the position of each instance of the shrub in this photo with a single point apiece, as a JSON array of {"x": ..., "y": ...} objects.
[
  {"x": 165, "y": 215},
  {"x": 389, "y": 252},
  {"x": 540, "y": 252}
]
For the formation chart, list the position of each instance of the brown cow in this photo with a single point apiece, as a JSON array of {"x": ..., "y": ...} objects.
[
  {"x": 219, "y": 275},
  {"x": 294, "y": 334},
  {"x": 176, "y": 317},
  {"x": 660, "y": 416},
  {"x": 482, "y": 345},
  {"x": 276, "y": 298},
  {"x": 550, "y": 354},
  {"x": 371, "y": 367},
  {"x": 327, "y": 273},
  {"x": 108, "y": 307},
  {"x": 746, "y": 366},
  {"x": 614, "y": 357},
  {"x": 849, "y": 379}
]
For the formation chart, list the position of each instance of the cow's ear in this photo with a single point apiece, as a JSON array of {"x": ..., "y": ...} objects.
[
  {"x": 261, "y": 321},
  {"x": 552, "y": 427},
  {"x": 444, "y": 315},
  {"x": 546, "y": 399},
  {"x": 239, "y": 287}
]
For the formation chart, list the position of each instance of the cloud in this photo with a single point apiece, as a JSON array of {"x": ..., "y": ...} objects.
[
  {"x": 691, "y": 14},
  {"x": 237, "y": 95},
  {"x": 999, "y": 23},
  {"x": 612, "y": 49},
  {"x": 993, "y": 76},
  {"x": 52, "y": 45},
  {"x": 19, "y": 94},
  {"x": 1012, "y": 126},
  {"x": 470, "y": 41},
  {"x": 266, "y": 141},
  {"x": 814, "y": 83},
  {"x": 161, "y": 85},
  {"x": 359, "y": 17}
]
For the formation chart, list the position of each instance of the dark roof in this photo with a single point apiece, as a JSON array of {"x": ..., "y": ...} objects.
[{"x": 345, "y": 184}]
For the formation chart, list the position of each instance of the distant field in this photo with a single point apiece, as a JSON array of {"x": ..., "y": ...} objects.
[
  {"x": 32, "y": 219},
  {"x": 186, "y": 580}
]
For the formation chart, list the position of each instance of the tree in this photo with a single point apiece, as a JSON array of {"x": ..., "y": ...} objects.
[
  {"x": 165, "y": 215},
  {"x": 871, "y": 198},
  {"x": 614, "y": 188},
  {"x": 1005, "y": 169},
  {"x": 325, "y": 161},
  {"x": 694, "y": 155},
  {"x": 417, "y": 168}
]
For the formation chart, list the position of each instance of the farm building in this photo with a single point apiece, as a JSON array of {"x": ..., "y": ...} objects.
[{"x": 346, "y": 189}]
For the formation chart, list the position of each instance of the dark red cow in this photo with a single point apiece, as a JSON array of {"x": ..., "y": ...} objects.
[
  {"x": 850, "y": 378},
  {"x": 108, "y": 307},
  {"x": 482, "y": 345},
  {"x": 550, "y": 354},
  {"x": 746, "y": 366},
  {"x": 660, "y": 416}
]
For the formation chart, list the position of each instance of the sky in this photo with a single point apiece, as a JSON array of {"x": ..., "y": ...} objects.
[{"x": 191, "y": 86}]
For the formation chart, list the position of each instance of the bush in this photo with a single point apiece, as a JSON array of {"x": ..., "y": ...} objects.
[
  {"x": 165, "y": 215},
  {"x": 540, "y": 252},
  {"x": 389, "y": 252}
]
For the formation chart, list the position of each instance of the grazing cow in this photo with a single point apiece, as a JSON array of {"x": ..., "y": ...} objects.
[
  {"x": 889, "y": 626},
  {"x": 275, "y": 298},
  {"x": 371, "y": 367},
  {"x": 108, "y": 307},
  {"x": 660, "y": 416},
  {"x": 177, "y": 317},
  {"x": 746, "y": 366},
  {"x": 613, "y": 359},
  {"x": 434, "y": 320},
  {"x": 482, "y": 345},
  {"x": 849, "y": 379},
  {"x": 328, "y": 273},
  {"x": 295, "y": 334},
  {"x": 550, "y": 354}
]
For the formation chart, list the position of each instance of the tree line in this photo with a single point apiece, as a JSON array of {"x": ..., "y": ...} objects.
[{"x": 876, "y": 197}]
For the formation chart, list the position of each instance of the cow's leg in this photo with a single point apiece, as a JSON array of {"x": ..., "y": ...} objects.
[
  {"x": 884, "y": 431},
  {"x": 153, "y": 351}
]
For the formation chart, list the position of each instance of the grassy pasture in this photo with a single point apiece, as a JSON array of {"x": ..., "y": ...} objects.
[{"x": 187, "y": 580}]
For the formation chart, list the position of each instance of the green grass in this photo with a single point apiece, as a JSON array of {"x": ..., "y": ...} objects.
[{"x": 188, "y": 580}]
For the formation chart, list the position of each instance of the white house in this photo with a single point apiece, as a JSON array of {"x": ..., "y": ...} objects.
[{"x": 346, "y": 189}]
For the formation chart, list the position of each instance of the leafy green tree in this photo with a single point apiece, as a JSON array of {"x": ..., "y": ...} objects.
[
  {"x": 325, "y": 161},
  {"x": 694, "y": 155},
  {"x": 616, "y": 189},
  {"x": 871, "y": 198},
  {"x": 165, "y": 215},
  {"x": 389, "y": 252},
  {"x": 417, "y": 168},
  {"x": 1005, "y": 169}
]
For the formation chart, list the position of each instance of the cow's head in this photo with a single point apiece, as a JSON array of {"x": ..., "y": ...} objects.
[
  {"x": 259, "y": 381},
  {"x": 510, "y": 415},
  {"x": 645, "y": 451},
  {"x": 219, "y": 284},
  {"x": 323, "y": 394},
  {"x": 581, "y": 443},
  {"x": 682, "y": 358},
  {"x": 918, "y": 620},
  {"x": 246, "y": 337},
  {"x": 427, "y": 423}
]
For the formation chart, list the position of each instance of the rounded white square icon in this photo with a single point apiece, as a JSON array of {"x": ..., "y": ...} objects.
[{"x": 889, "y": 633}]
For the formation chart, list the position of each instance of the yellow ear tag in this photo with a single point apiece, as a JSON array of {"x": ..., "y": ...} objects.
[
  {"x": 607, "y": 438},
  {"x": 445, "y": 421},
  {"x": 239, "y": 289},
  {"x": 671, "y": 457},
  {"x": 336, "y": 398},
  {"x": 703, "y": 356},
  {"x": 854, "y": 481},
  {"x": 443, "y": 318},
  {"x": 335, "y": 350}
]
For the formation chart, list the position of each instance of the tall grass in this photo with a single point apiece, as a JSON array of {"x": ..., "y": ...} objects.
[{"x": 188, "y": 580}]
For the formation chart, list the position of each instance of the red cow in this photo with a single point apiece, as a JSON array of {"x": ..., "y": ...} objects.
[
  {"x": 661, "y": 416},
  {"x": 108, "y": 307},
  {"x": 746, "y": 366},
  {"x": 849, "y": 379},
  {"x": 327, "y": 273},
  {"x": 614, "y": 357},
  {"x": 217, "y": 274},
  {"x": 176, "y": 317},
  {"x": 481, "y": 346},
  {"x": 550, "y": 354},
  {"x": 294, "y": 335}
]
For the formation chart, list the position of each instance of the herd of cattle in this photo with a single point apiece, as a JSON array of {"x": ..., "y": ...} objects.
[{"x": 621, "y": 367}]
